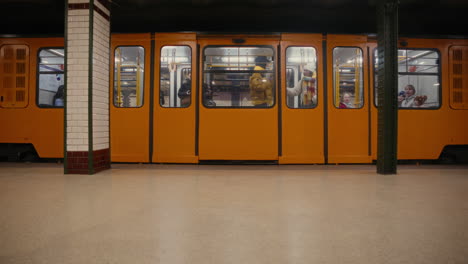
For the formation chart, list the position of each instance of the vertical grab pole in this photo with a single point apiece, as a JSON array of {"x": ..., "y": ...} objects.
[
  {"x": 119, "y": 83},
  {"x": 357, "y": 76},
  {"x": 138, "y": 72},
  {"x": 337, "y": 84}
]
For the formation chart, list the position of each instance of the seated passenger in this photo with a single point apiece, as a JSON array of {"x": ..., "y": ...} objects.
[
  {"x": 305, "y": 88},
  {"x": 208, "y": 96},
  {"x": 346, "y": 101},
  {"x": 161, "y": 98},
  {"x": 59, "y": 96},
  {"x": 408, "y": 99}
]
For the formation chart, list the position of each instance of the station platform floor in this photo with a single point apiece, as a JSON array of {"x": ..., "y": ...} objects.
[{"x": 272, "y": 214}]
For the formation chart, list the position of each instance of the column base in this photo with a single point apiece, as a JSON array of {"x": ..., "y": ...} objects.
[{"x": 78, "y": 162}]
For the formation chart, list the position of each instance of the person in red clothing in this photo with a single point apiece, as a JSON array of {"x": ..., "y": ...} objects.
[{"x": 346, "y": 101}]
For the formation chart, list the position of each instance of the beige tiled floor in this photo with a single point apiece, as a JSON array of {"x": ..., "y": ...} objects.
[{"x": 233, "y": 214}]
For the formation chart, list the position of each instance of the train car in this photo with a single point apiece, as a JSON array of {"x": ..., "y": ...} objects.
[
  {"x": 30, "y": 75},
  {"x": 282, "y": 98}
]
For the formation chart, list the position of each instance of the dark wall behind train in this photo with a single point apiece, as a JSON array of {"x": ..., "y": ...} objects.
[{"x": 417, "y": 17}]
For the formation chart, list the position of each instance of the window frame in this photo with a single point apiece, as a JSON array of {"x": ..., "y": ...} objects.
[
  {"x": 38, "y": 73},
  {"x": 362, "y": 83},
  {"x": 316, "y": 79},
  {"x": 114, "y": 72},
  {"x": 191, "y": 72},
  {"x": 439, "y": 78},
  {"x": 273, "y": 71}
]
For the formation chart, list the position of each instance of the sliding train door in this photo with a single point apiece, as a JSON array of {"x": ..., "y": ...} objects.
[
  {"x": 238, "y": 114},
  {"x": 130, "y": 100},
  {"x": 302, "y": 105},
  {"x": 348, "y": 110},
  {"x": 174, "y": 126}
]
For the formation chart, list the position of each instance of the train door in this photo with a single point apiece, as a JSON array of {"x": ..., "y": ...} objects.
[
  {"x": 130, "y": 101},
  {"x": 302, "y": 104},
  {"x": 174, "y": 125},
  {"x": 238, "y": 115},
  {"x": 348, "y": 112}
]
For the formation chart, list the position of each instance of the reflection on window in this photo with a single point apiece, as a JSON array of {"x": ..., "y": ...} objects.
[
  {"x": 301, "y": 77},
  {"x": 51, "y": 82},
  {"x": 129, "y": 70},
  {"x": 418, "y": 78},
  {"x": 347, "y": 77},
  {"x": 238, "y": 77},
  {"x": 175, "y": 76}
]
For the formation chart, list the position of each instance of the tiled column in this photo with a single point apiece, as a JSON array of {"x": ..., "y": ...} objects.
[{"x": 87, "y": 86}]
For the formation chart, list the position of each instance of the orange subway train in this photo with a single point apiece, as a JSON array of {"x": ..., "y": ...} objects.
[{"x": 282, "y": 98}]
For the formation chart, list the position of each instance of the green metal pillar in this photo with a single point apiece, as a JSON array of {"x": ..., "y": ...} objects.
[{"x": 387, "y": 38}]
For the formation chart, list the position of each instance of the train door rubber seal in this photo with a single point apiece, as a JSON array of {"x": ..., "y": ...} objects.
[
  {"x": 151, "y": 111},
  {"x": 325, "y": 104}
]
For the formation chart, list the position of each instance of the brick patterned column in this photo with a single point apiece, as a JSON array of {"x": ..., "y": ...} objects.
[{"x": 87, "y": 86}]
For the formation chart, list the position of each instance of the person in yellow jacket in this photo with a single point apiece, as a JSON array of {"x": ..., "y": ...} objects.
[{"x": 261, "y": 88}]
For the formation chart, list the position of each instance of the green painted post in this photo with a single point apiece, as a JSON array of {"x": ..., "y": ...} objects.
[{"x": 387, "y": 38}]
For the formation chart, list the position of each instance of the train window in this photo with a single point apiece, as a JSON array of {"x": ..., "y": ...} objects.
[
  {"x": 175, "y": 77},
  {"x": 348, "y": 91},
  {"x": 418, "y": 78},
  {"x": 129, "y": 68},
  {"x": 51, "y": 82},
  {"x": 14, "y": 74},
  {"x": 238, "y": 77},
  {"x": 458, "y": 76},
  {"x": 301, "y": 77}
]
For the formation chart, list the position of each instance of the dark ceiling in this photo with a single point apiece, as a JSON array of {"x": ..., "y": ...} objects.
[{"x": 416, "y": 17}]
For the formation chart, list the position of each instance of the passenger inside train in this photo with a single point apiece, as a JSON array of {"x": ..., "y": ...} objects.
[
  {"x": 346, "y": 101},
  {"x": 185, "y": 90},
  {"x": 418, "y": 78},
  {"x": 305, "y": 88},
  {"x": 409, "y": 98},
  {"x": 333, "y": 75},
  {"x": 175, "y": 77},
  {"x": 238, "y": 77},
  {"x": 348, "y": 79},
  {"x": 208, "y": 96},
  {"x": 51, "y": 78},
  {"x": 301, "y": 76},
  {"x": 59, "y": 96},
  {"x": 261, "y": 93}
]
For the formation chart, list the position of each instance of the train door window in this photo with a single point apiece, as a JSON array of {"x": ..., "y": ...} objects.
[
  {"x": 129, "y": 68},
  {"x": 50, "y": 82},
  {"x": 418, "y": 78},
  {"x": 14, "y": 70},
  {"x": 175, "y": 76},
  {"x": 376, "y": 77},
  {"x": 348, "y": 88},
  {"x": 301, "y": 77},
  {"x": 238, "y": 77}
]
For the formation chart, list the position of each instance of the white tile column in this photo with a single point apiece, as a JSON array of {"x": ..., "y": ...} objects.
[{"x": 87, "y": 86}]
